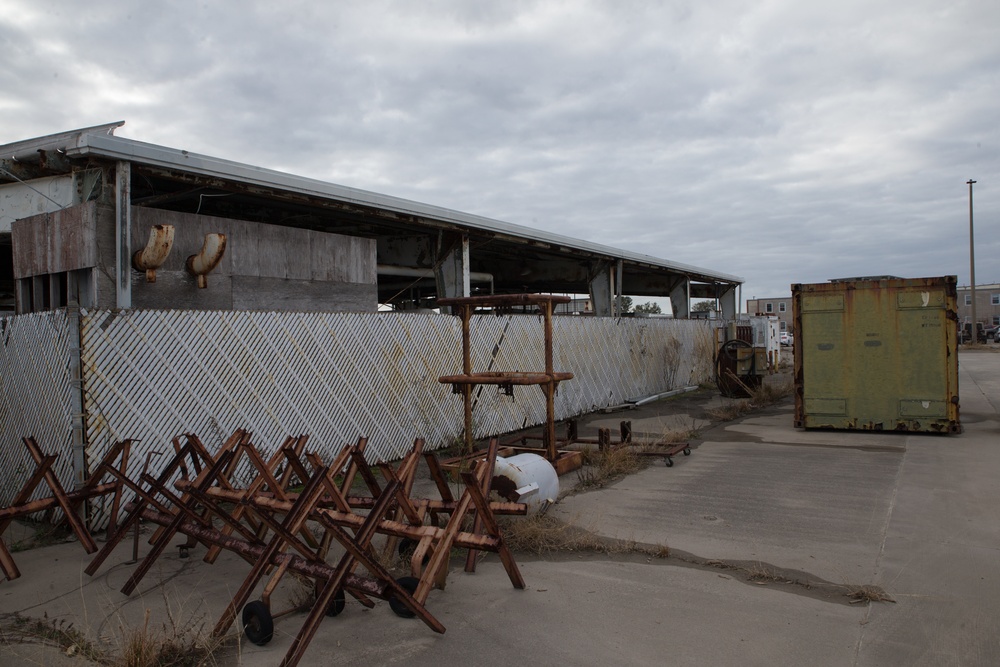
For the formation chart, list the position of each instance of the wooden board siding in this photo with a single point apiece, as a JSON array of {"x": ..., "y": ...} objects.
[
  {"x": 282, "y": 295},
  {"x": 49, "y": 243},
  {"x": 265, "y": 267}
]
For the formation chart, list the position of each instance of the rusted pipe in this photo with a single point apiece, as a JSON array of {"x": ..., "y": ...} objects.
[
  {"x": 296, "y": 563},
  {"x": 208, "y": 258},
  {"x": 51, "y": 502},
  {"x": 150, "y": 258},
  {"x": 462, "y": 540}
]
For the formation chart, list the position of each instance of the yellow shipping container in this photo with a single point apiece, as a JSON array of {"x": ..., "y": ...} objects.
[{"x": 877, "y": 354}]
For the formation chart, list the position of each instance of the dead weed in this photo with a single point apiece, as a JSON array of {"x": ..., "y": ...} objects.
[
  {"x": 18, "y": 629},
  {"x": 543, "y": 534},
  {"x": 767, "y": 394},
  {"x": 761, "y": 573},
  {"x": 868, "y": 593},
  {"x": 173, "y": 644},
  {"x": 601, "y": 467}
]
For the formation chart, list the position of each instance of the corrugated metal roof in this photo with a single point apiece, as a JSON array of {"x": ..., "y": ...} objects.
[{"x": 99, "y": 141}]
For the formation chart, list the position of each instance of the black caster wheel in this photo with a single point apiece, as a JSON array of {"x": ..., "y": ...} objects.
[
  {"x": 669, "y": 461},
  {"x": 337, "y": 604},
  {"x": 409, "y": 584},
  {"x": 258, "y": 625},
  {"x": 687, "y": 451}
]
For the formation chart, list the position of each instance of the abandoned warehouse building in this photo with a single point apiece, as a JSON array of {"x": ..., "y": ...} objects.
[{"x": 151, "y": 291}]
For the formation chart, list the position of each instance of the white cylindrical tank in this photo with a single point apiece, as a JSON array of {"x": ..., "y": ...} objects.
[{"x": 526, "y": 478}]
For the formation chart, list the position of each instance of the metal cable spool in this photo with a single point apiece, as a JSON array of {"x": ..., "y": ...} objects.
[{"x": 729, "y": 380}]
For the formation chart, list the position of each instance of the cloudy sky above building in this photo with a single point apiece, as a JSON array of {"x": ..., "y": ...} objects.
[{"x": 777, "y": 140}]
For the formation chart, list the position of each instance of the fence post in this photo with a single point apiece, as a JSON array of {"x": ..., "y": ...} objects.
[{"x": 80, "y": 472}]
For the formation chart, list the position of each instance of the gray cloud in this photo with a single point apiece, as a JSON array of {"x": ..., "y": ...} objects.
[{"x": 785, "y": 142}]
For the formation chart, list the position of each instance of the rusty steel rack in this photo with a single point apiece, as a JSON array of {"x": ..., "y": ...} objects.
[
  {"x": 68, "y": 502},
  {"x": 272, "y": 527},
  {"x": 547, "y": 380},
  {"x": 603, "y": 441}
]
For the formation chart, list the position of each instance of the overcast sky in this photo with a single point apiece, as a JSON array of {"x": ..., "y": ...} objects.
[{"x": 782, "y": 141}]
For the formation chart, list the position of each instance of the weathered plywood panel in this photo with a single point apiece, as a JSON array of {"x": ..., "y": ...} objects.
[
  {"x": 298, "y": 259},
  {"x": 272, "y": 254},
  {"x": 243, "y": 248},
  {"x": 344, "y": 258},
  {"x": 265, "y": 267},
  {"x": 302, "y": 295},
  {"x": 179, "y": 290},
  {"x": 55, "y": 242}
]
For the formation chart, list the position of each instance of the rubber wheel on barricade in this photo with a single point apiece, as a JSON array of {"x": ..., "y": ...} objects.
[
  {"x": 258, "y": 625},
  {"x": 409, "y": 584},
  {"x": 337, "y": 604}
]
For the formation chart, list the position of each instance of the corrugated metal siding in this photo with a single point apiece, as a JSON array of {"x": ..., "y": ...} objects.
[
  {"x": 152, "y": 375},
  {"x": 626, "y": 359},
  {"x": 36, "y": 398},
  {"x": 336, "y": 376}
]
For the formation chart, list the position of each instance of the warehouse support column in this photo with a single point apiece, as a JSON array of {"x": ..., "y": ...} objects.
[
  {"x": 680, "y": 299},
  {"x": 452, "y": 271},
  {"x": 727, "y": 304},
  {"x": 123, "y": 234},
  {"x": 618, "y": 288},
  {"x": 602, "y": 290}
]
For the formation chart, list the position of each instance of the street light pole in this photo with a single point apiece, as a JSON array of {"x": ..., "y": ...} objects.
[{"x": 972, "y": 268}]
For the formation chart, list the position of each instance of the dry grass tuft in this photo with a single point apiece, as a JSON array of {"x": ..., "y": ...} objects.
[
  {"x": 17, "y": 629},
  {"x": 302, "y": 592},
  {"x": 603, "y": 467},
  {"x": 868, "y": 593},
  {"x": 389, "y": 559},
  {"x": 759, "y": 572},
  {"x": 727, "y": 412},
  {"x": 670, "y": 436},
  {"x": 543, "y": 534},
  {"x": 767, "y": 394},
  {"x": 175, "y": 643},
  {"x": 770, "y": 393}
]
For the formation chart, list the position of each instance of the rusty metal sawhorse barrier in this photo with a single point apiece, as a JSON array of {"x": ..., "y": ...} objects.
[
  {"x": 68, "y": 502},
  {"x": 271, "y": 533}
]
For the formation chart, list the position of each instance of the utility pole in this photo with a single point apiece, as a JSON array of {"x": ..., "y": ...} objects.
[{"x": 972, "y": 268}]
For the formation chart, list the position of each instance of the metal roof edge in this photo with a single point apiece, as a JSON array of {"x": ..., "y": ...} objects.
[
  {"x": 100, "y": 142},
  {"x": 60, "y": 141}
]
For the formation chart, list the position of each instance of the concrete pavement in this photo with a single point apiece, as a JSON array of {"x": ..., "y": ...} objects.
[{"x": 821, "y": 513}]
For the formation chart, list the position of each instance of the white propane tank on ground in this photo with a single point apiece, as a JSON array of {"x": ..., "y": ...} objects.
[{"x": 526, "y": 478}]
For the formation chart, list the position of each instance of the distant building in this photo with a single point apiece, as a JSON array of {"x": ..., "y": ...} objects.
[
  {"x": 780, "y": 307},
  {"x": 987, "y": 304},
  {"x": 575, "y": 307}
]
